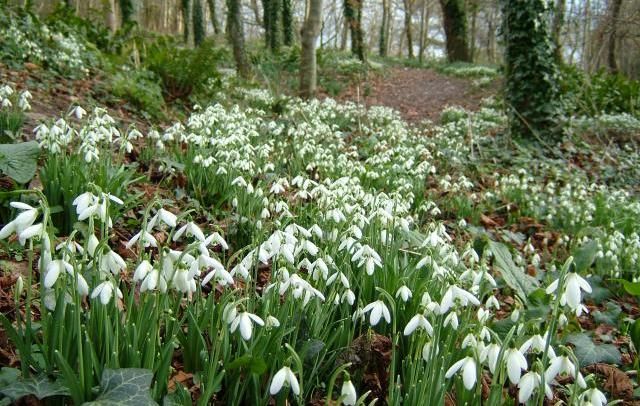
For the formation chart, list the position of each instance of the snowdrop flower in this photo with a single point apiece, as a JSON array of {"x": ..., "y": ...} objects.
[
  {"x": 165, "y": 216},
  {"x": 367, "y": 257},
  {"x": 537, "y": 343},
  {"x": 492, "y": 303},
  {"x": 148, "y": 240},
  {"x": 245, "y": 321},
  {"x": 452, "y": 319},
  {"x": 594, "y": 397},
  {"x": 348, "y": 393},
  {"x": 105, "y": 292},
  {"x": 112, "y": 262},
  {"x": 272, "y": 322},
  {"x": 516, "y": 362},
  {"x": 455, "y": 294},
  {"x": 78, "y": 112},
  {"x": 418, "y": 321},
  {"x": 528, "y": 384},
  {"x": 378, "y": 310},
  {"x": 404, "y": 293},
  {"x": 572, "y": 294},
  {"x": 54, "y": 269},
  {"x": 32, "y": 231},
  {"x": 284, "y": 375},
  {"x": 22, "y": 221},
  {"x": 189, "y": 229},
  {"x": 559, "y": 365},
  {"x": 468, "y": 367},
  {"x": 490, "y": 353}
]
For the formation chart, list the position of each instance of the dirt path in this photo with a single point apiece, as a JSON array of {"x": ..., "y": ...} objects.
[{"x": 420, "y": 94}]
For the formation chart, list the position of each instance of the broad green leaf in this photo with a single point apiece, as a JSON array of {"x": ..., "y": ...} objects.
[
  {"x": 609, "y": 316},
  {"x": 599, "y": 292},
  {"x": 126, "y": 386},
  {"x": 8, "y": 376},
  {"x": 585, "y": 255},
  {"x": 179, "y": 397},
  {"x": 38, "y": 386},
  {"x": 635, "y": 334},
  {"x": 311, "y": 349},
  {"x": 19, "y": 161},
  {"x": 589, "y": 353},
  {"x": 514, "y": 276}
]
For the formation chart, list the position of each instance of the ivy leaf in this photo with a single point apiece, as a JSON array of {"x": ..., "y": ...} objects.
[
  {"x": 589, "y": 353},
  {"x": 609, "y": 316},
  {"x": 38, "y": 386},
  {"x": 514, "y": 276},
  {"x": 584, "y": 256},
  {"x": 19, "y": 161},
  {"x": 125, "y": 386}
]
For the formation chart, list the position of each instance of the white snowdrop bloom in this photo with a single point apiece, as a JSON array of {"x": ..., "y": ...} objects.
[
  {"x": 54, "y": 269},
  {"x": 153, "y": 280},
  {"x": 529, "y": 383},
  {"x": 190, "y": 229},
  {"x": 574, "y": 285},
  {"x": 418, "y": 321},
  {"x": 148, "y": 240},
  {"x": 378, "y": 310},
  {"x": 468, "y": 367},
  {"x": 320, "y": 269},
  {"x": 452, "y": 320},
  {"x": 315, "y": 229},
  {"x": 105, "y": 291},
  {"x": 244, "y": 321},
  {"x": 537, "y": 343},
  {"x": 220, "y": 275},
  {"x": 560, "y": 365},
  {"x": 165, "y": 216},
  {"x": 284, "y": 376},
  {"x": 349, "y": 297},
  {"x": 492, "y": 303},
  {"x": 562, "y": 320},
  {"x": 455, "y": 294},
  {"x": 483, "y": 316},
  {"x": 112, "y": 262},
  {"x": 428, "y": 349},
  {"x": 216, "y": 239},
  {"x": 35, "y": 230},
  {"x": 368, "y": 257},
  {"x": 594, "y": 397},
  {"x": 78, "y": 112},
  {"x": 142, "y": 270},
  {"x": 490, "y": 354},
  {"x": 348, "y": 393},
  {"x": 339, "y": 276},
  {"x": 469, "y": 341},
  {"x": 22, "y": 221},
  {"x": 516, "y": 363},
  {"x": 404, "y": 293}
]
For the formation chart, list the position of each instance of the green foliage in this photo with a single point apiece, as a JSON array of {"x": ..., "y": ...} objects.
[
  {"x": 531, "y": 89},
  {"x": 127, "y": 386},
  {"x": 181, "y": 70},
  {"x": 126, "y": 10},
  {"x": 589, "y": 353},
  {"x": 468, "y": 70},
  {"x": 19, "y": 161},
  {"x": 513, "y": 275},
  {"x": 599, "y": 93},
  {"x": 65, "y": 20},
  {"x": 142, "y": 89},
  {"x": 39, "y": 386},
  {"x": 11, "y": 122}
]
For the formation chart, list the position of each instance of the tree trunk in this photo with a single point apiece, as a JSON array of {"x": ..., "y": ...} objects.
[
  {"x": 185, "y": 20},
  {"x": 310, "y": 31},
  {"x": 408, "y": 13},
  {"x": 455, "y": 28},
  {"x": 235, "y": 31},
  {"x": 384, "y": 27},
  {"x": 214, "y": 18},
  {"x": 472, "y": 35},
  {"x": 198, "y": 23},
  {"x": 287, "y": 23},
  {"x": 556, "y": 29},
  {"x": 353, "y": 16},
  {"x": 611, "y": 55},
  {"x": 126, "y": 11},
  {"x": 425, "y": 16},
  {"x": 275, "y": 23}
]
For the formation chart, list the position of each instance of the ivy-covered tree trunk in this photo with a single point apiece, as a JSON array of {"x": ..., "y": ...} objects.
[
  {"x": 353, "y": 17},
  {"x": 384, "y": 28},
  {"x": 287, "y": 23},
  {"x": 310, "y": 32},
  {"x": 454, "y": 19},
  {"x": 198, "y": 23},
  {"x": 531, "y": 89},
  {"x": 408, "y": 13},
  {"x": 556, "y": 28},
  {"x": 235, "y": 31},
  {"x": 214, "y": 17},
  {"x": 616, "y": 5},
  {"x": 126, "y": 11},
  {"x": 185, "y": 20},
  {"x": 273, "y": 24}
]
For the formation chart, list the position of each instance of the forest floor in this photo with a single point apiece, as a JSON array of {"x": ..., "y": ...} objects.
[{"x": 418, "y": 94}]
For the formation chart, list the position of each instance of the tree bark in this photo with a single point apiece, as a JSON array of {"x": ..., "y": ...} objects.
[
  {"x": 556, "y": 29},
  {"x": 287, "y": 22},
  {"x": 310, "y": 32},
  {"x": 198, "y": 23},
  {"x": 474, "y": 6},
  {"x": 185, "y": 20},
  {"x": 384, "y": 28},
  {"x": 214, "y": 17},
  {"x": 408, "y": 13},
  {"x": 455, "y": 28},
  {"x": 353, "y": 16},
  {"x": 425, "y": 16},
  {"x": 611, "y": 54},
  {"x": 235, "y": 31}
]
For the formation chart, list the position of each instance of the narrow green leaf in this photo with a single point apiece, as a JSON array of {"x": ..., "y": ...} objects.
[{"x": 514, "y": 276}]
